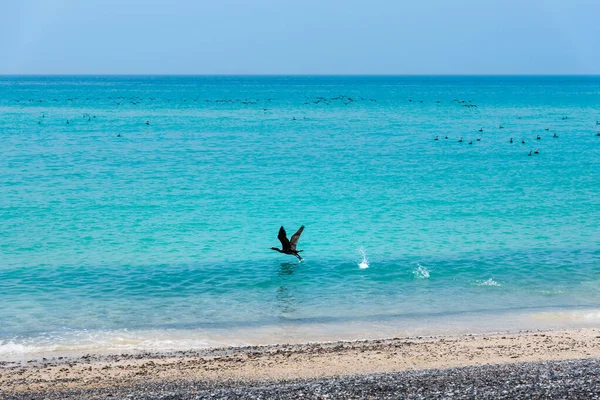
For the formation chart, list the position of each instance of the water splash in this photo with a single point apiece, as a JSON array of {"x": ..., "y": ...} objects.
[
  {"x": 421, "y": 272},
  {"x": 489, "y": 282},
  {"x": 364, "y": 264}
]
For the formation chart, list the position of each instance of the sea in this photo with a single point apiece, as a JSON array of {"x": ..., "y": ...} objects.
[{"x": 137, "y": 213}]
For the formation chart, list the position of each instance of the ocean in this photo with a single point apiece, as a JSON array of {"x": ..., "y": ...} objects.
[{"x": 138, "y": 213}]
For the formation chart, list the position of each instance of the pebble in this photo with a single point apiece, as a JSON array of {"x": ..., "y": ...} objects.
[{"x": 573, "y": 379}]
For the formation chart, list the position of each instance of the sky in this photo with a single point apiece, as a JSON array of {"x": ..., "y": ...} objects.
[{"x": 300, "y": 37}]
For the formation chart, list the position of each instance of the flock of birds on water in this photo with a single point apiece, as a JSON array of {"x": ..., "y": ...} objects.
[
  {"x": 340, "y": 99},
  {"x": 512, "y": 140}
]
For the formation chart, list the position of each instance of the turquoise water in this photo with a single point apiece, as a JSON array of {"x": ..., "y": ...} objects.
[{"x": 160, "y": 238}]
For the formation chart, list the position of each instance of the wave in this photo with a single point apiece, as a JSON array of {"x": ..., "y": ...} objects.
[{"x": 168, "y": 340}]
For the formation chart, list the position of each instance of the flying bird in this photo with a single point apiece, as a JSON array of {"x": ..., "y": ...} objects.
[{"x": 289, "y": 246}]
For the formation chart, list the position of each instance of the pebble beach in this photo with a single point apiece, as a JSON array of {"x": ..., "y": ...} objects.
[{"x": 532, "y": 364}]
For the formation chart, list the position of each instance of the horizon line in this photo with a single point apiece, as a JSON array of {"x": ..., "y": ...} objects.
[{"x": 304, "y": 75}]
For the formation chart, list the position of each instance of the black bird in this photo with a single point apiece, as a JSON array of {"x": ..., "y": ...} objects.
[
  {"x": 147, "y": 122},
  {"x": 471, "y": 142},
  {"x": 529, "y": 153},
  {"x": 480, "y": 129},
  {"x": 460, "y": 140},
  {"x": 436, "y": 138},
  {"x": 289, "y": 246},
  {"x": 547, "y": 128},
  {"x": 446, "y": 137},
  {"x": 598, "y": 134},
  {"x": 511, "y": 140},
  {"x": 479, "y": 139},
  {"x": 555, "y": 135},
  {"x": 522, "y": 141},
  {"x": 500, "y": 127},
  {"x": 538, "y": 137},
  {"x": 537, "y": 151},
  {"x": 119, "y": 135}
]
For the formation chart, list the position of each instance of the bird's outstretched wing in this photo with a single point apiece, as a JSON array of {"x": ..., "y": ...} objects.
[
  {"x": 282, "y": 236},
  {"x": 296, "y": 237}
]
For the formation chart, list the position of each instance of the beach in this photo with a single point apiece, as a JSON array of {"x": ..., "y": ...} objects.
[{"x": 551, "y": 362}]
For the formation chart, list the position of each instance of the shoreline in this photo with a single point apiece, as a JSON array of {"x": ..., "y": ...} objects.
[{"x": 274, "y": 364}]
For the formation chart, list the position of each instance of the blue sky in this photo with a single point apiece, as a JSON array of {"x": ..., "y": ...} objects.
[{"x": 299, "y": 37}]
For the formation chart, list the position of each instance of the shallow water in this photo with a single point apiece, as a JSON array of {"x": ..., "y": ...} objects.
[{"x": 164, "y": 232}]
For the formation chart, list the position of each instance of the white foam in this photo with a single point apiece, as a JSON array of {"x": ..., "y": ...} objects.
[
  {"x": 570, "y": 316},
  {"x": 105, "y": 342},
  {"x": 421, "y": 272},
  {"x": 365, "y": 262},
  {"x": 12, "y": 348},
  {"x": 489, "y": 282}
]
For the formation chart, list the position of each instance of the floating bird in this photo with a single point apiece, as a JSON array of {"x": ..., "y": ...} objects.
[
  {"x": 471, "y": 142},
  {"x": 446, "y": 137},
  {"x": 147, "y": 122},
  {"x": 436, "y": 138},
  {"x": 547, "y": 128},
  {"x": 289, "y": 246},
  {"x": 597, "y": 133},
  {"x": 67, "y": 121},
  {"x": 460, "y": 140},
  {"x": 529, "y": 153},
  {"x": 118, "y": 135},
  {"x": 537, "y": 151},
  {"x": 480, "y": 129},
  {"x": 511, "y": 140},
  {"x": 538, "y": 137},
  {"x": 500, "y": 127},
  {"x": 555, "y": 135},
  {"x": 479, "y": 138},
  {"x": 522, "y": 141}
]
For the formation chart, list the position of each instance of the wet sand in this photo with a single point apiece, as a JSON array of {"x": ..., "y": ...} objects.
[{"x": 221, "y": 372}]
